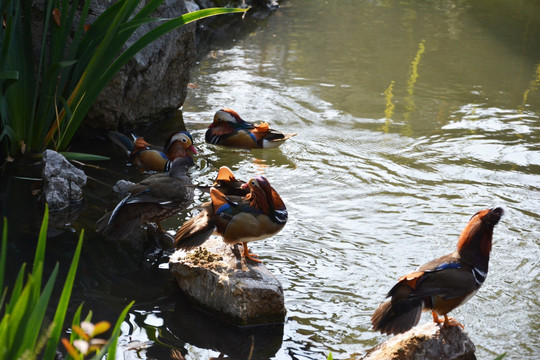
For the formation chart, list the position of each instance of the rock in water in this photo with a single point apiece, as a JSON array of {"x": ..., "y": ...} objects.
[
  {"x": 217, "y": 279},
  {"x": 155, "y": 80},
  {"x": 426, "y": 342},
  {"x": 63, "y": 182},
  {"x": 121, "y": 187}
]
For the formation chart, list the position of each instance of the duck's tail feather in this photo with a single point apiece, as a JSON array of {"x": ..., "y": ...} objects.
[
  {"x": 121, "y": 140},
  {"x": 195, "y": 231},
  {"x": 117, "y": 230},
  {"x": 397, "y": 317}
]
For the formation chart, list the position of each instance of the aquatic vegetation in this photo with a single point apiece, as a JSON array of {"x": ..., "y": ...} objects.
[
  {"x": 409, "y": 98},
  {"x": 533, "y": 86},
  {"x": 389, "y": 110},
  {"x": 43, "y": 101},
  {"x": 28, "y": 303}
]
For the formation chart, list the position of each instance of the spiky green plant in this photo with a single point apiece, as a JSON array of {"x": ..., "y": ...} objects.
[{"x": 28, "y": 301}]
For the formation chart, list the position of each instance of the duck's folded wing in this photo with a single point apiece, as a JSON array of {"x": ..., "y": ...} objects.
[{"x": 195, "y": 231}]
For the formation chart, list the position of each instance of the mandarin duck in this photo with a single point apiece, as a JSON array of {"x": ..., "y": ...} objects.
[
  {"x": 178, "y": 144},
  {"x": 238, "y": 212},
  {"x": 229, "y": 129},
  {"x": 443, "y": 284},
  {"x": 152, "y": 200}
]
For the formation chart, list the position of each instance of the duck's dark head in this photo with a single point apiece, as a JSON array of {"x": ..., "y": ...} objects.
[{"x": 478, "y": 234}]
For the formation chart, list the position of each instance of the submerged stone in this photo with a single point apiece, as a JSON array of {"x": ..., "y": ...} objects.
[
  {"x": 122, "y": 187},
  {"x": 427, "y": 342},
  {"x": 219, "y": 280}
]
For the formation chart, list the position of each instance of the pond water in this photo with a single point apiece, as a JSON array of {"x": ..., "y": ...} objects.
[{"x": 411, "y": 116}]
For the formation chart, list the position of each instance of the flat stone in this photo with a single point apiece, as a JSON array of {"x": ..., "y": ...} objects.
[
  {"x": 219, "y": 280},
  {"x": 426, "y": 342}
]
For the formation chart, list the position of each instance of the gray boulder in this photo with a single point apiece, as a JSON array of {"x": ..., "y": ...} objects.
[
  {"x": 155, "y": 80},
  {"x": 425, "y": 342},
  {"x": 62, "y": 182},
  {"x": 219, "y": 280}
]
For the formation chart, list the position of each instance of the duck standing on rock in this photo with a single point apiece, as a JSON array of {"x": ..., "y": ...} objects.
[
  {"x": 239, "y": 212},
  {"x": 229, "y": 129},
  {"x": 178, "y": 144},
  {"x": 442, "y": 284},
  {"x": 152, "y": 200}
]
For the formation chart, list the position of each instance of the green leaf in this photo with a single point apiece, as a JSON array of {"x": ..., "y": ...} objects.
[
  {"x": 8, "y": 131},
  {"x": 61, "y": 310},
  {"x": 9, "y": 75},
  {"x": 26, "y": 310},
  {"x": 31, "y": 333},
  {"x": 74, "y": 156},
  {"x": 17, "y": 288},
  {"x": 76, "y": 320},
  {"x": 3, "y": 255},
  {"x": 111, "y": 346},
  {"x": 7, "y": 36},
  {"x": 35, "y": 121},
  {"x": 159, "y": 31},
  {"x": 17, "y": 316},
  {"x": 84, "y": 157},
  {"x": 8, "y": 78},
  {"x": 4, "y": 348},
  {"x": 39, "y": 257}
]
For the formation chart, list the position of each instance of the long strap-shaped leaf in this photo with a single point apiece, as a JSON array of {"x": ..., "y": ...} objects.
[
  {"x": 27, "y": 41},
  {"x": 30, "y": 334},
  {"x": 110, "y": 348},
  {"x": 61, "y": 310},
  {"x": 3, "y": 256}
]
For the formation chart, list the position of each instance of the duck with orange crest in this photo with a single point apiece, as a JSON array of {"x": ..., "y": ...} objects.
[
  {"x": 238, "y": 212},
  {"x": 443, "y": 284},
  {"x": 178, "y": 145},
  {"x": 229, "y": 129}
]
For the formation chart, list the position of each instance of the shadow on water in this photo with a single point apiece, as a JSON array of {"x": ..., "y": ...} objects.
[
  {"x": 518, "y": 26},
  {"x": 191, "y": 325}
]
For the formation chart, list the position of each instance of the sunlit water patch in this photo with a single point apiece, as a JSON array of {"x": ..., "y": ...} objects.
[{"x": 367, "y": 206}]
